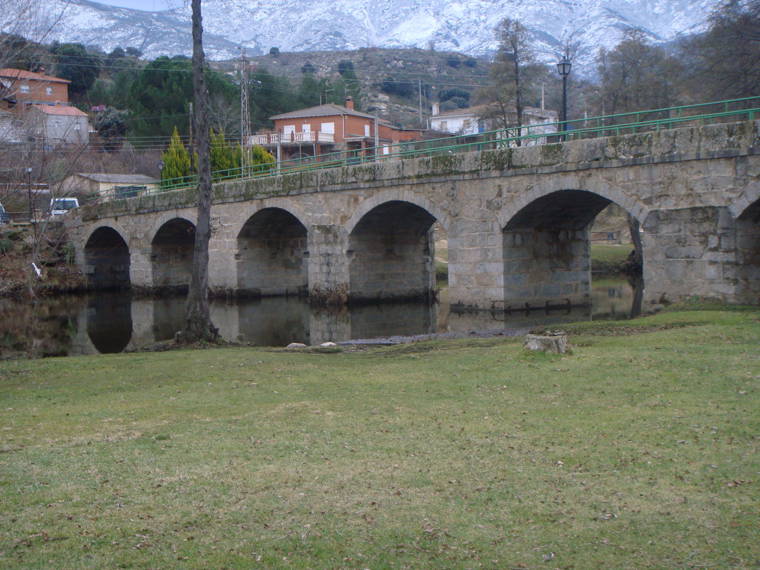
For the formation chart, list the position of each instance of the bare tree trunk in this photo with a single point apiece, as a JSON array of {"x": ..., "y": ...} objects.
[{"x": 198, "y": 325}]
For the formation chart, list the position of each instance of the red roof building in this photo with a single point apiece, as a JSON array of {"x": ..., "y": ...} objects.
[
  {"x": 330, "y": 128},
  {"x": 19, "y": 87},
  {"x": 41, "y": 105}
]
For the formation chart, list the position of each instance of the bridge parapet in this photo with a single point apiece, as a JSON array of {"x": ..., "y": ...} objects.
[{"x": 722, "y": 140}]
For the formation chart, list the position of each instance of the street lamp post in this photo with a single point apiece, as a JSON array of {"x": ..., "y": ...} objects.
[
  {"x": 29, "y": 197},
  {"x": 563, "y": 68}
]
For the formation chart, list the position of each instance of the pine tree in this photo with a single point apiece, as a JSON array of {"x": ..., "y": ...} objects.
[
  {"x": 176, "y": 161},
  {"x": 224, "y": 157},
  {"x": 261, "y": 159}
]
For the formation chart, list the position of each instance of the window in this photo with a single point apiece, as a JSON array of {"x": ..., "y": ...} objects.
[
  {"x": 444, "y": 125},
  {"x": 306, "y": 128},
  {"x": 366, "y": 130},
  {"x": 48, "y": 90},
  {"x": 327, "y": 128},
  {"x": 25, "y": 88}
]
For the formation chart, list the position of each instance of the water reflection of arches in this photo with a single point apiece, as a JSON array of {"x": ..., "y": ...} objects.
[
  {"x": 106, "y": 258},
  {"x": 109, "y": 322},
  {"x": 391, "y": 253},
  {"x": 172, "y": 254},
  {"x": 546, "y": 245},
  {"x": 271, "y": 258}
]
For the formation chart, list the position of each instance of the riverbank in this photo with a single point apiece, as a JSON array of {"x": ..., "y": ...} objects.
[
  {"x": 55, "y": 271},
  {"x": 638, "y": 449}
]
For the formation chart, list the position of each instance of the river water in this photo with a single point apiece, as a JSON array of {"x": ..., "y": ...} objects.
[{"x": 106, "y": 323}]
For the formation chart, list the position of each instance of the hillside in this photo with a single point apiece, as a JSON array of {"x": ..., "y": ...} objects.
[{"x": 390, "y": 79}]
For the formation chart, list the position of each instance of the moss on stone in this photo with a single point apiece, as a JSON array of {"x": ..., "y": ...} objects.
[
  {"x": 552, "y": 153},
  {"x": 445, "y": 163},
  {"x": 496, "y": 159}
]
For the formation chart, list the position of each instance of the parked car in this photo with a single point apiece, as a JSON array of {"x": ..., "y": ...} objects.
[
  {"x": 5, "y": 217},
  {"x": 60, "y": 206}
]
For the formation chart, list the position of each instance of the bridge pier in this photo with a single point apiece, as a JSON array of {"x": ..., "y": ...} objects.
[
  {"x": 329, "y": 275},
  {"x": 547, "y": 267},
  {"x": 476, "y": 265},
  {"x": 140, "y": 270},
  {"x": 690, "y": 252}
]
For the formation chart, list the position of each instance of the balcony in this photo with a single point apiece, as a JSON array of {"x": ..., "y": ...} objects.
[{"x": 273, "y": 139}]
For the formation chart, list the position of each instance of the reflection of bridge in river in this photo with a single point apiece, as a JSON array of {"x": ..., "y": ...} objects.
[{"x": 115, "y": 322}]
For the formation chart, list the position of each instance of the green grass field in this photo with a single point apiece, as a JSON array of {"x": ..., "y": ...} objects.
[
  {"x": 639, "y": 449},
  {"x": 607, "y": 258}
]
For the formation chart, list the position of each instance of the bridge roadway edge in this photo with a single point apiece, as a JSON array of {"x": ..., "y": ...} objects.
[{"x": 686, "y": 186}]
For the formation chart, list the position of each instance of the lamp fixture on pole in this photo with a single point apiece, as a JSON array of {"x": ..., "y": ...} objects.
[{"x": 563, "y": 68}]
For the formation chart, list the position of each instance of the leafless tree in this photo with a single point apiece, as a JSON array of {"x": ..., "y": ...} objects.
[
  {"x": 511, "y": 75},
  {"x": 725, "y": 60},
  {"x": 198, "y": 325}
]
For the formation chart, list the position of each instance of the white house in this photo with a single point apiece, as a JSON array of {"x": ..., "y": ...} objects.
[
  {"x": 470, "y": 121},
  {"x": 56, "y": 124},
  {"x": 107, "y": 184}
]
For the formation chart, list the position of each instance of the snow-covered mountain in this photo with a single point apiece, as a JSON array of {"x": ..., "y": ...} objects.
[{"x": 310, "y": 25}]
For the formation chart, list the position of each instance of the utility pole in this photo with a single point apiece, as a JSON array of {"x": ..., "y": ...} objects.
[
  {"x": 377, "y": 139},
  {"x": 419, "y": 85},
  {"x": 190, "y": 129},
  {"x": 245, "y": 113}
]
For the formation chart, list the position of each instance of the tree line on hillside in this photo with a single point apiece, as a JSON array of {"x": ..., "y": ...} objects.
[
  {"x": 723, "y": 62},
  {"x": 142, "y": 100},
  {"x": 131, "y": 97}
]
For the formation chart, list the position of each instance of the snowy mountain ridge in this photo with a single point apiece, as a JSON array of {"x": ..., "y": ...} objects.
[{"x": 465, "y": 26}]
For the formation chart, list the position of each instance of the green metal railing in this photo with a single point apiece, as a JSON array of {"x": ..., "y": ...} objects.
[{"x": 747, "y": 108}]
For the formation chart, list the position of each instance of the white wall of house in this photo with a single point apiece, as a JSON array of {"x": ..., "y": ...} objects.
[
  {"x": 460, "y": 123},
  {"x": 67, "y": 129},
  {"x": 467, "y": 122},
  {"x": 11, "y": 129}
]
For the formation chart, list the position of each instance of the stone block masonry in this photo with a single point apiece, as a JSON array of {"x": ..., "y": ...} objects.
[{"x": 516, "y": 219}]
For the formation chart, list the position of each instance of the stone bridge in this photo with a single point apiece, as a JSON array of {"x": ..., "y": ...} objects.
[{"x": 517, "y": 222}]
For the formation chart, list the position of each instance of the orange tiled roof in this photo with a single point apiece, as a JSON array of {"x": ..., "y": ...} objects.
[
  {"x": 60, "y": 110},
  {"x": 21, "y": 74}
]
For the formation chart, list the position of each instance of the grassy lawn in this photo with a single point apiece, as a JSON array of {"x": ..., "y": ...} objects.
[
  {"x": 640, "y": 449},
  {"x": 607, "y": 258}
]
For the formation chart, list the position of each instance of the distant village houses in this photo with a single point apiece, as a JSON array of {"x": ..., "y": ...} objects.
[
  {"x": 35, "y": 107},
  {"x": 324, "y": 129},
  {"x": 479, "y": 119},
  {"x": 109, "y": 185}
]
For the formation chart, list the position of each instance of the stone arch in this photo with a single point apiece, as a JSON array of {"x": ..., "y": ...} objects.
[
  {"x": 272, "y": 254},
  {"x": 115, "y": 226},
  {"x": 171, "y": 254},
  {"x": 107, "y": 257},
  {"x": 546, "y": 246},
  {"x": 286, "y": 204},
  {"x": 573, "y": 182},
  {"x": 396, "y": 195},
  {"x": 391, "y": 251},
  {"x": 747, "y": 270},
  {"x": 749, "y": 196},
  {"x": 162, "y": 217}
]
